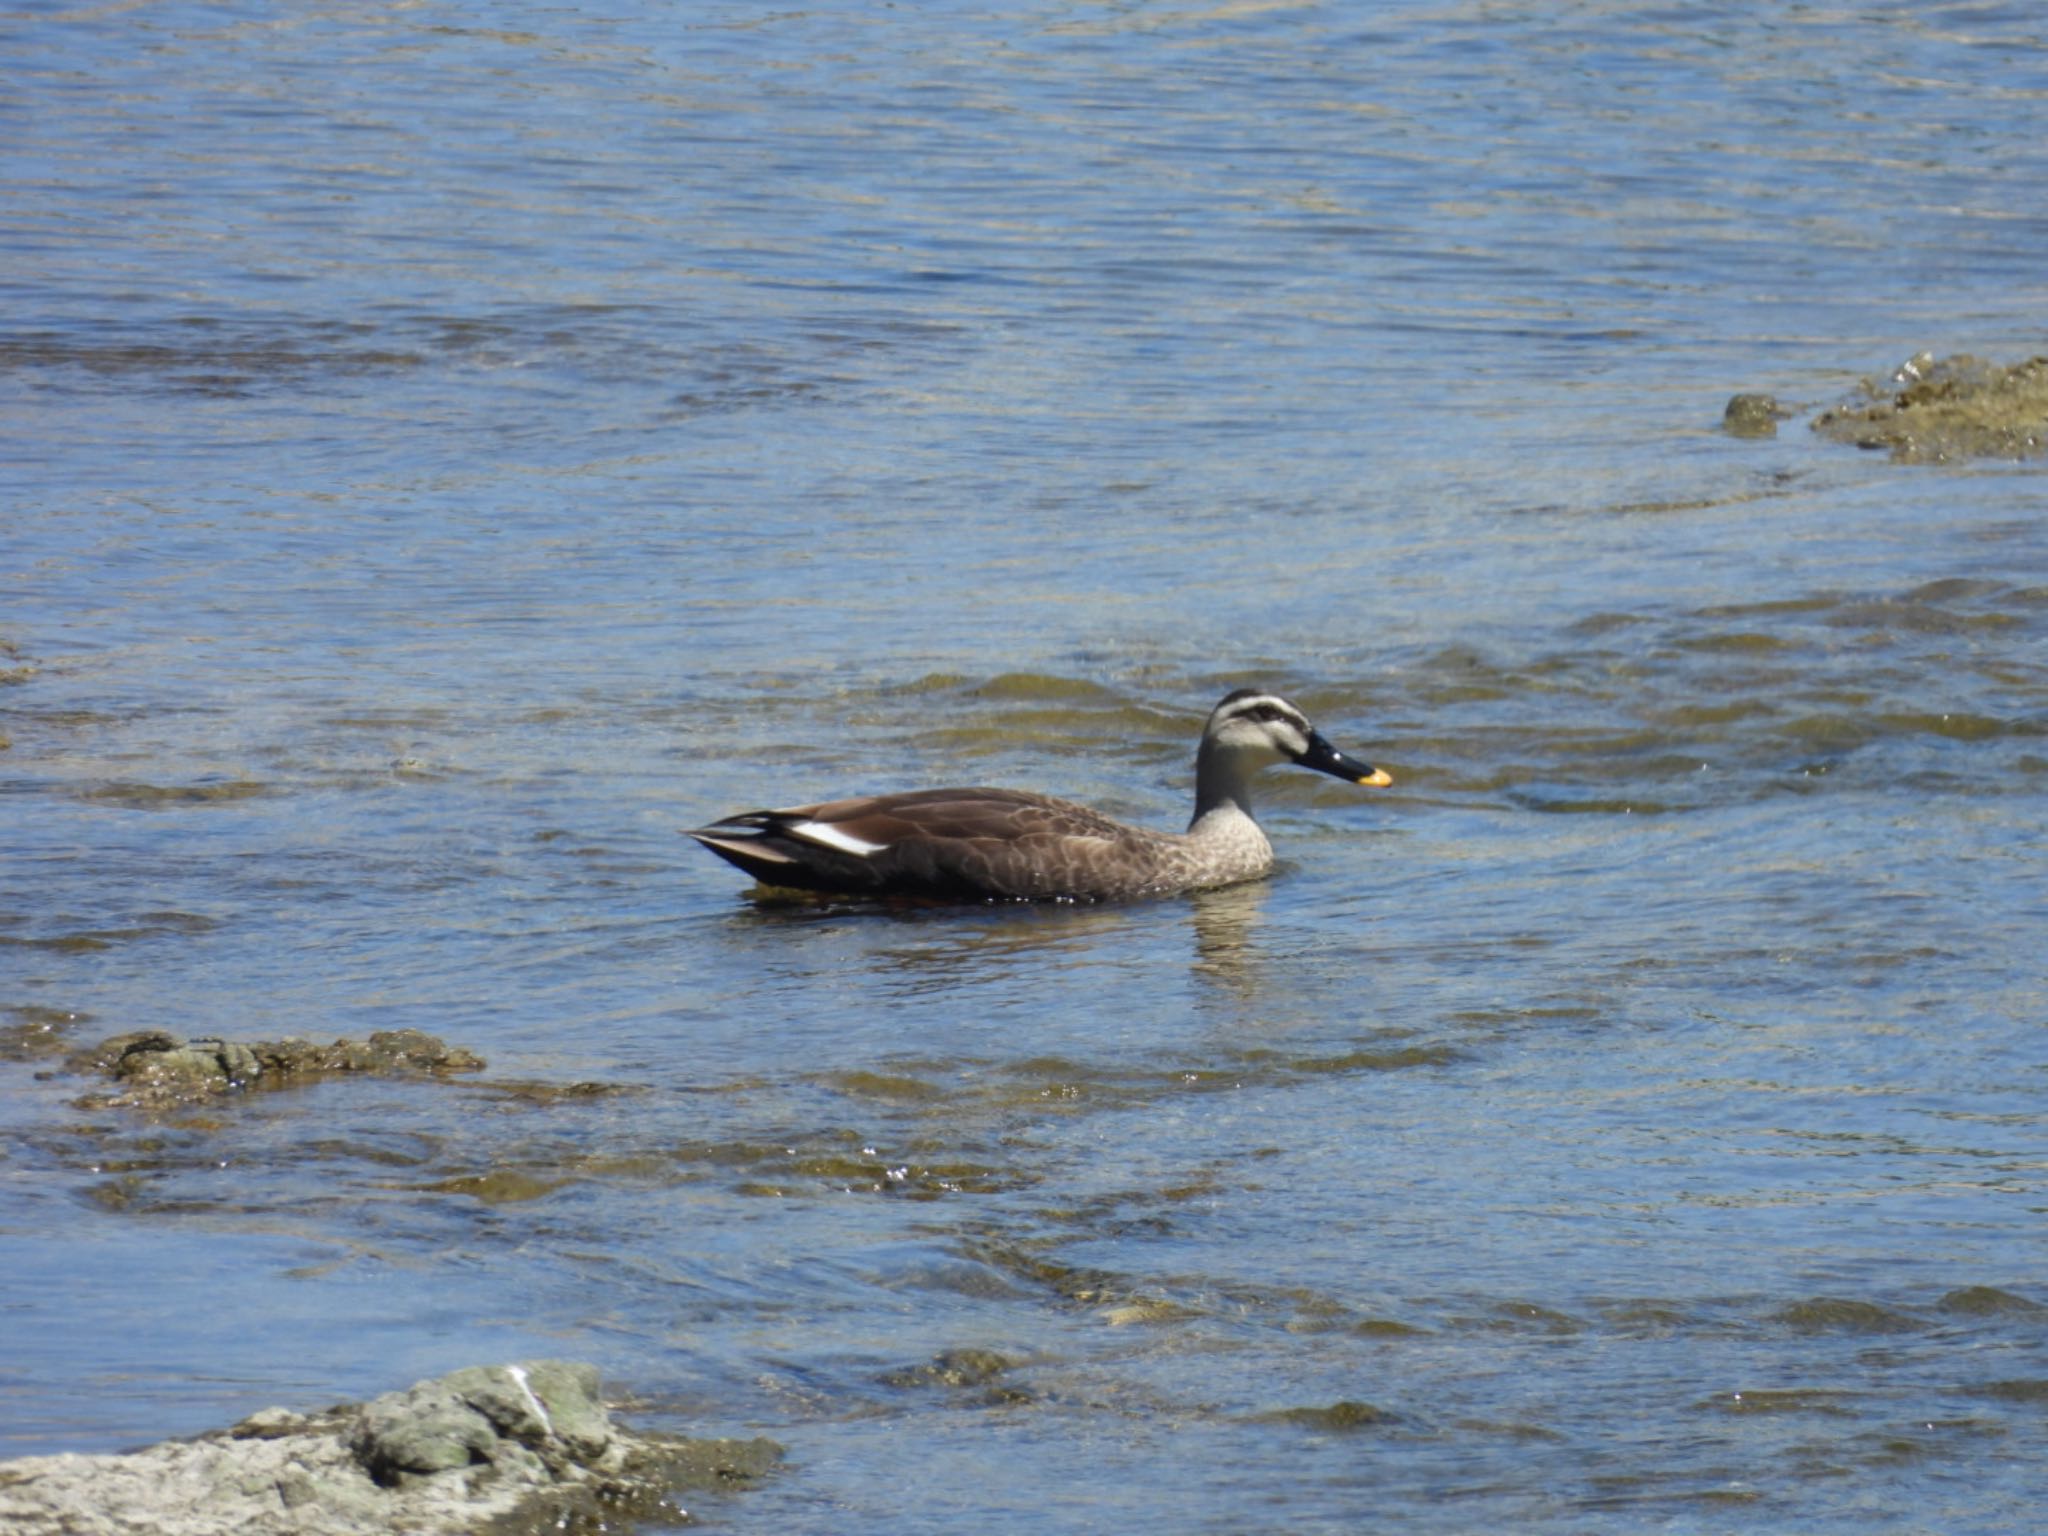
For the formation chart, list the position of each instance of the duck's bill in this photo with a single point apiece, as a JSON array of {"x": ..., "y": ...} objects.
[{"x": 1325, "y": 758}]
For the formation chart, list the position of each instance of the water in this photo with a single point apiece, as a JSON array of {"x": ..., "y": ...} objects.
[{"x": 448, "y": 452}]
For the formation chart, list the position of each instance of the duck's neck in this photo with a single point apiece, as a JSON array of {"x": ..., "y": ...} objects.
[{"x": 1223, "y": 787}]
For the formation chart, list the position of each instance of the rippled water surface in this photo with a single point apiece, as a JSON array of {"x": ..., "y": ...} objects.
[{"x": 450, "y": 451}]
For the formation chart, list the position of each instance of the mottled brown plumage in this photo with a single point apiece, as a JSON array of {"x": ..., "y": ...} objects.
[{"x": 1010, "y": 844}]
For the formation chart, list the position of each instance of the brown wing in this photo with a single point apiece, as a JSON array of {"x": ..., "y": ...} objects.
[
  {"x": 938, "y": 842},
  {"x": 1000, "y": 815}
]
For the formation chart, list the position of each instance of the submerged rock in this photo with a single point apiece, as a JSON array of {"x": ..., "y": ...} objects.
[
  {"x": 1753, "y": 416},
  {"x": 518, "y": 1447},
  {"x": 1344, "y": 1418},
  {"x": 1933, "y": 411},
  {"x": 976, "y": 1373},
  {"x": 1836, "y": 1314},
  {"x": 155, "y": 1068},
  {"x": 36, "y": 1032},
  {"x": 1989, "y": 1301},
  {"x": 953, "y": 1368}
]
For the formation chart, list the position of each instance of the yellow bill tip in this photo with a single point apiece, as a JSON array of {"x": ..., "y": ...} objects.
[{"x": 1379, "y": 778}]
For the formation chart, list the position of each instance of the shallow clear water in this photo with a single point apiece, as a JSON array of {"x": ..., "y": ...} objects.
[{"x": 447, "y": 453}]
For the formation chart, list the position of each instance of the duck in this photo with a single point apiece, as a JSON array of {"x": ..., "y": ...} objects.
[{"x": 1015, "y": 845}]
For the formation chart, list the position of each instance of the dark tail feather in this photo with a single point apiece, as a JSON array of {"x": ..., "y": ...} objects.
[{"x": 748, "y": 843}]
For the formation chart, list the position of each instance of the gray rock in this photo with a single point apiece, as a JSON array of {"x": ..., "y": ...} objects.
[
  {"x": 526, "y": 1446},
  {"x": 423, "y": 1431},
  {"x": 550, "y": 1400}
]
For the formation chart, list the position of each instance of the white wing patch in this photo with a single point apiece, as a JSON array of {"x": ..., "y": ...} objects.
[{"x": 832, "y": 837}]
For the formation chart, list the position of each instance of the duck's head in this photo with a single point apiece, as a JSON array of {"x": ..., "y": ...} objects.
[{"x": 1252, "y": 729}]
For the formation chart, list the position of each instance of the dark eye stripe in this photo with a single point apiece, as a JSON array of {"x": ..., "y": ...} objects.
[{"x": 1273, "y": 714}]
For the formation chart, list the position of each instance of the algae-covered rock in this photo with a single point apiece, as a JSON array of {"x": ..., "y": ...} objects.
[
  {"x": 1989, "y": 1301},
  {"x": 954, "y": 1368},
  {"x": 508, "y": 1448},
  {"x": 31, "y": 1032},
  {"x": 1938, "y": 410},
  {"x": 156, "y": 1069},
  {"x": 1836, "y": 1314},
  {"x": 1753, "y": 416},
  {"x": 1346, "y": 1417}
]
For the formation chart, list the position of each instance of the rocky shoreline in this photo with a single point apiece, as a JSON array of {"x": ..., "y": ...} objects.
[
  {"x": 1928, "y": 410},
  {"x": 528, "y": 1447}
]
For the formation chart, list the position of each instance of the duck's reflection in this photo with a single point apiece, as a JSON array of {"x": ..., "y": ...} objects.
[
  {"x": 927, "y": 947},
  {"x": 1228, "y": 955}
]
